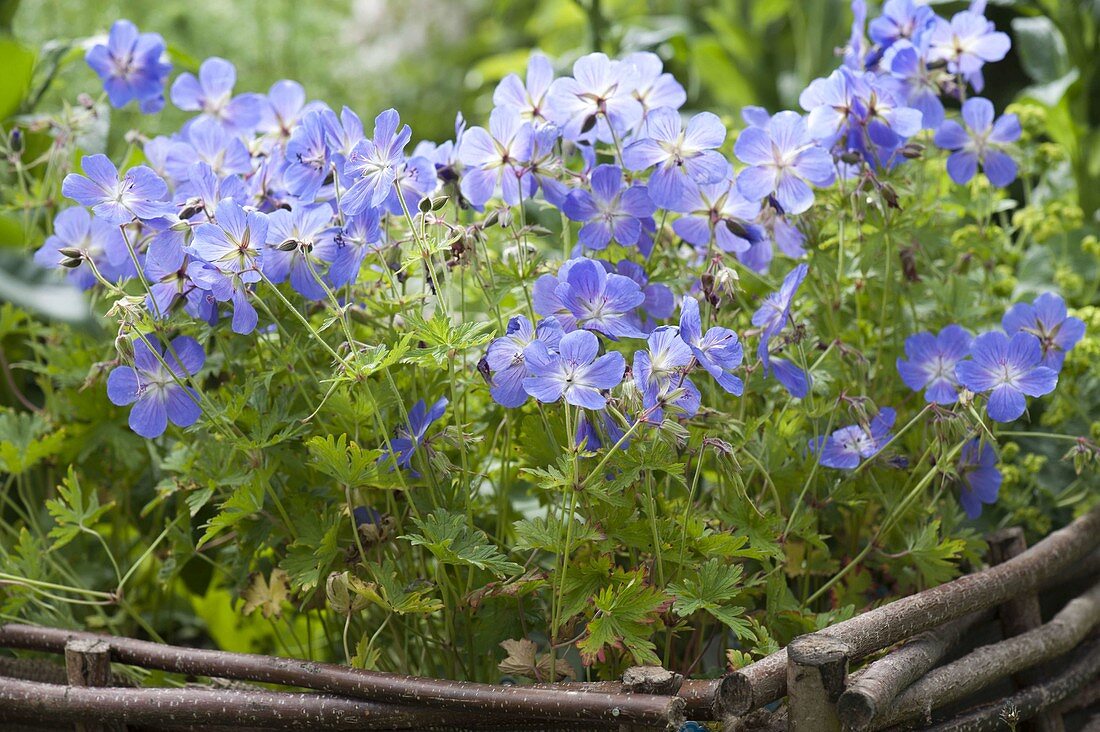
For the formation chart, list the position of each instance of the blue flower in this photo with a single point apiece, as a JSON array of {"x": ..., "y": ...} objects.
[
  {"x": 574, "y": 372},
  {"x": 599, "y": 96},
  {"x": 342, "y": 134},
  {"x": 307, "y": 157},
  {"x": 983, "y": 141},
  {"x": 1047, "y": 320},
  {"x": 153, "y": 389},
  {"x": 372, "y": 165},
  {"x": 232, "y": 244},
  {"x": 981, "y": 479},
  {"x": 283, "y": 106},
  {"x": 718, "y": 212},
  {"x": 527, "y": 101},
  {"x": 783, "y": 161},
  {"x": 166, "y": 269},
  {"x": 410, "y": 438},
  {"x": 659, "y": 301},
  {"x": 718, "y": 350},
  {"x": 831, "y": 104},
  {"x": 303, "y": 264},
  {"x": 131, "y": 68},
  {"x": 771, "y": 317},
  {"x": 496, "y": 160},
  {"x": 908, "y": 64},
  {"x": 505, "y": 357},
  {"x": 611, "y": 211},
  {"x": 414, "y": 180},
  {"x": 590, "y": 437},
  {"x": 680, "y": 154},
  {"x": 967, "y": 43},
  {"x": 662, "y": 369},
  {"x": 138, "y": 194},
  {"x": 200, "y": 192},
  {"x": 932, "y": 361},
  {"x": 206, "y": 140},
  {"x": 1009, "y": 369},
  {"x": 222, "y": 287},
  {"x": 899, "y": 20},
  {"x": 584, "y": 295},
  {"x": 655, "y": 88},
  {"x": 847, "y": 447},
  {"x": 98, "y": 241},
  {"x": 211, "y": 93},
  {"x": 350, "y": 244}
]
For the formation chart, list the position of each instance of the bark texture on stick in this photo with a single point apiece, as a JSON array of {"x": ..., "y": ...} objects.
[
  {"x": 877, "y": 685},
  {"x": 1019, "y": 615},
  {"x": 817, "y": 670},
  {"x": 1081, "y": 670},
  {"x": 88, "y": 664},
  {"x": 488, "y": 699},
  {"x": 765, "y": 681},
  {"x": 987, "y": 664}
]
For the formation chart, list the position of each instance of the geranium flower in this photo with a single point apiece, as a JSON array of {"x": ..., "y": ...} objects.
[
  {"x": 847, "y": 447},
  {"x": 982, "y": 141},
  {"x": 899, "y": 20},
  {"x": 153, "y": 389},
  {"x": 206, "y": 141},
  {"x": 303, "y": 263},
  {"x": 211, "y": 93},
  {"x": 526, "y": 100},
  {"x": 585, "y": 295},
  {"x": 372, "y": 165},
  {"x": 1047, "y": 320},
  {"x": 233, "y": 242},
  {"x": 307, "y": 157},
  {"x": 574, "y": 373},
  {"x": 932, "y": 361},
  {"x": 981, "y": 480},
  {"x": 131, "y": 68},
  {"x": 680, "y": 154},
  {"x": 350, "y": 244},
  {"x": 655, "y": 88},
  {"x": 783, "y": 161},
  {"x": 505, "y": 360},
  {"x": 661, "y": 369},
  {"x": 718, "y": 212},
  {"x": 966, "y": 43},
  {"x": 496, "y": 158},
  {"x": 138, "y": 194},
  {"x": 283, "y": 106},
  {"x": 599, "y": 95},
  {"x": 718, "y": 350},
  {"x": 611, "y": 210},
  {"x": 97, "y": 241},
  {"x": 411, "y": 437},
  {"x": 1009, "y": 369}
]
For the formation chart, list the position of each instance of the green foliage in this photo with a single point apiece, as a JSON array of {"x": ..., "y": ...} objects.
[{"x": 447, "y": 536}]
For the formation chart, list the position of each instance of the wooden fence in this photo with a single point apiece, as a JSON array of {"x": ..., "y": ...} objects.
[{"x": 1053, "y": 667}]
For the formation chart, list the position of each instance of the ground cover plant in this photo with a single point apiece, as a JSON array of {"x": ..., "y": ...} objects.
[{"x": 598, "y": 382}]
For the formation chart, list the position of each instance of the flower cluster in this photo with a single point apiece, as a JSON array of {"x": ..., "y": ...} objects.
[{"x": 257, "y": 190}]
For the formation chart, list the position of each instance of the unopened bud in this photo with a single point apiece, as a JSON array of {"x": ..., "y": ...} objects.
[
  {"x": 439, "y": 202},
  {"x": 912, "y": 150},
  {"x": 890, "y": 196},
  {"x": 71, "y": 252},
  {"x": 15, "y": 140},
  {"x": 190, "y": 208},
  {"x": 71, "y": 262},
  {"x": 492, "y": 218},
  {"x": 288, "y": 245},
  {"x": 425, "y": 205},
  {"x": 851, "y": 157},
  {"x": 125, "y": 348}
]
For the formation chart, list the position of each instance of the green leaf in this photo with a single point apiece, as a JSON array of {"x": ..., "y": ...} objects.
[
  {"x": 389, "y": 593},
  {"x": 245, "y": 500},
  {"x": 714, "y": 585},
  {"x": 451, "y": 541},
  {"x": 935, "y": 560},
  {"x": 25, "y": 441},
  {"x": 1041, "y": 48},
  {"x": 548, "y": 534},
  {"x": 17, "y": 61},
  {"x": 625, "y": 618},
  {"x": 309, "y": 557},
  {"x": 75, "y": 511},
  {"x": 442, "y": 340},
  {"x": 344, "y": 461}
]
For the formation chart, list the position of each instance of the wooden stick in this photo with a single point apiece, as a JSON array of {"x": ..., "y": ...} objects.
[
  {"x": 1081, "y": 670},
  {"x": 486, "y": 699},
  {"x": 985, "y": 665},
  {"x": 879, "y": 683},
  {"x": 1019, "y": 615},
  {"x": 766, "y": 680},
  {"x": 817, "y": 670},
  {"x": 88, "y": 664}
]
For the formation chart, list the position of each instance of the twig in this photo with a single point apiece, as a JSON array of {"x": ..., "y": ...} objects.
[
  {"x": 989, "y": 663},
  {"x": 765, "y": 681},
  {"x": 485, "y": 699}
]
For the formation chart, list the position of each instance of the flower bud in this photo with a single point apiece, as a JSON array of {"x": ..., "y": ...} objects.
[
  {"x": 125, "y": 348},
  {"x": 71, "y": 262},
  {"x": 439, "y": 202},
  {"x": 71, "y": 252},
  {"x": 190, "y": 208},
  {"x": 288, "y": 245},
  {"x": 15, "y": 140},
  {"x": 912, "y": 150},
  {"x": 852, "y": 157}
]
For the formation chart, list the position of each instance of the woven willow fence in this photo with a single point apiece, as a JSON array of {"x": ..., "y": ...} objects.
[{"x": 1048, "y": 669}]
